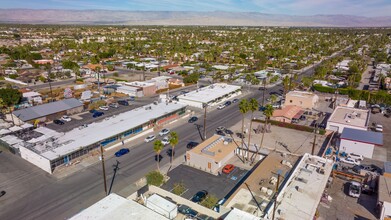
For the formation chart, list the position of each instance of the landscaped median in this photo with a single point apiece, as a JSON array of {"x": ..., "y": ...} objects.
[{"x": 291, "y": 126}]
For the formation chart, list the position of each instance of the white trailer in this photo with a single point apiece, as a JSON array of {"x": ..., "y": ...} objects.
[{"x": 162, "y": 206}]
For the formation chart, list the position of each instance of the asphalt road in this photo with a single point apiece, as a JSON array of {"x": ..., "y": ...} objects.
[{"x": 44, "y": 197}]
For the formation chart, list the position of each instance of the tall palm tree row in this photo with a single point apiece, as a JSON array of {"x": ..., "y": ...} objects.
[
  {"x": 173, "y": 142},
  {"x": 243, "y": 108},
  {"x": 268, "y": 113},
  {"x": 158, "y": 147},
  {"x": 253, "y": 106}
]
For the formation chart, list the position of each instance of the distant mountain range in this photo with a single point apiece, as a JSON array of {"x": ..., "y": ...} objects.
[{"x": 218, "y": 18}]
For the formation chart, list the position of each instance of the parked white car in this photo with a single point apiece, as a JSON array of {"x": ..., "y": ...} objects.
[
  {"x": 165, "y": 141},
  {"x": 221, "y": 106},
  {"x": 164, "y": 132},
  {"x": 149, "y": 138},
  {"x": 379, "y": 128},
  {"x": 66, "y": 118},
  {"x": 355, "y": 156},
  {"x": 104, "y": 108},
  {"x": 354, "y": 189},
  {"x": 350, "y": 161}
]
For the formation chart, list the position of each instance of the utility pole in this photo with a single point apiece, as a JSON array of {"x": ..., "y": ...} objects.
[
  {"x": 116, "y": 168},
  {"x": 98, "y": 82},
  {"x": 103, "y": 168},
  {"x": 264, "y": 90},
  {"x": 314, "y": 143},
  {"x": 276, "y": 195},
  {"x": 205, "y": 105}
]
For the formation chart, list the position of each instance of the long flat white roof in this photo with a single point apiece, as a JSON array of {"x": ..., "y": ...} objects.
[
  {"x": 235, "y": 214},
  {"x": 300, "y": 196},
  {"x": 350, "y": 116},
  {"x": 116, "y": 207},
  {"x": 109, "y": 127},
  {"x": 209, "y": 93}
]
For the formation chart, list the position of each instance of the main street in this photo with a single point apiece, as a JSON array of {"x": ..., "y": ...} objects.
[{"x": 33, "y": 194}]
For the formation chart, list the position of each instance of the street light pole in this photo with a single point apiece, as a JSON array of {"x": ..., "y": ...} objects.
[
  {"x": 314, "y": 143},
  {"x": 103, "y": 168}
]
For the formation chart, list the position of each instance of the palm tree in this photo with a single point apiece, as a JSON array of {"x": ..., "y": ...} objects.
[
  {"x": 273, "y": 98},
  {"x": 243, "y": 108},
  {"x": 173, "y": 142},
  {"x": 158, "y": 147},
  {"x": 268, "y": 113},
  {"x": 252, "y": 106},
  {"x": 77, "y": 72}
]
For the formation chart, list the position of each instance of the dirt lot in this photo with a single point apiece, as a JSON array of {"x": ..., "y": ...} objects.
[{"x": 343, "y": 206}]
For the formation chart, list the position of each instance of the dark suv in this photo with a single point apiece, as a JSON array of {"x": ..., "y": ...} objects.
[
  {"x": 97, "y": 114},
  {"x": 199, "y": 196},
  {"x": 123, "y": 102},
  {"x": 191, "y": 145},
  {"x": 227, "y": 103},
  {"x": 58, "y": 122}
]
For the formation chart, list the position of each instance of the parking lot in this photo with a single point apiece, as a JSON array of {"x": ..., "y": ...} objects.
[
  {"x": 86, "y": 117},
  {"x": 383, "y": 153},
  {"x": 342, "y": 206},
  {"x": 196, "y": 180}
]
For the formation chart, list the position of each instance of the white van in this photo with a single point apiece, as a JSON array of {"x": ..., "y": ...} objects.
[{"x": 355, "y": 156}]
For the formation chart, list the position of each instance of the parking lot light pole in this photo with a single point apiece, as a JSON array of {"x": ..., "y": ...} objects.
[{"x": 103, "y": 168}]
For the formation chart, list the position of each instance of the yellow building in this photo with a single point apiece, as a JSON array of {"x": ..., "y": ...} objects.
[{"x": 305, "y": 100}]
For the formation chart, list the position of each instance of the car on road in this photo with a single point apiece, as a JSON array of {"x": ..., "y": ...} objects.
[
  {"x": 227, "y": 169},
  {"x": 149, "y": 138},
  {"x": 199, "y": 196},
  {"x": 235, "y": 100},
  {"x": 66, "y": 118},
  {"x": 186, "y": 210},
  {"x": 104, "y": 108},
  {"x": 221, "y": 106},
  {"x": 2, "y": 193},
  {"x": 58, "y": 122},
  {"x": 192, "y": 144},
  {"x": 169, "y": 152},
  {"x": 114, "y": 105},
  {"x": 164, "y": 132},
  {"x": 227, "y": 103},
  {"x": 165, "y": 141},
  {"x": 220, "y": 128},
  {"x": 97, "y": 114},
  {"x": 193, "y": 119},
  {"x": 350, "y": 161},
  {"x": 121, "y": 152}
]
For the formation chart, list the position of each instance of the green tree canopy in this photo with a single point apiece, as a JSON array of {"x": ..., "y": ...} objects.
[
  {"x": 10, "y": 96},
  {"x": 67, "y": 64}
]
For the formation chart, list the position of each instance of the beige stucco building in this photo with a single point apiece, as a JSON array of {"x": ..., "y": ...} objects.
[
  {"x": 305, "y": 100},
  {"x": 212, "y": 154}
]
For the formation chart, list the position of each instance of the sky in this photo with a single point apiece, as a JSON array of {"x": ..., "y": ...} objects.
[{"x": 369, "y": 8}]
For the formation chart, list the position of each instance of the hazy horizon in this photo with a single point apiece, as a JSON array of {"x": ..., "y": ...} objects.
[{"x": 374, "y": 8}]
